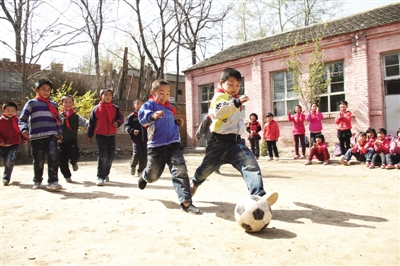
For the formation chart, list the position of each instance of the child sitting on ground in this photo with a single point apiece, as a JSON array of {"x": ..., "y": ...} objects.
[
  {"x": 358, "y": 150},
  {"x": 371, "y": 138},
  {"x": 319, "y": 150},
  {"x": 381, "y": 147},
  {"x": 395, "y": 150}
]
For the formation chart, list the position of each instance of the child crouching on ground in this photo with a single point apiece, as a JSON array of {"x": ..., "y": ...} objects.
[
  {"x": 319, "y": 150},
  {"x": 381, "y": 147},
  {"x": 359, "y": 150}
]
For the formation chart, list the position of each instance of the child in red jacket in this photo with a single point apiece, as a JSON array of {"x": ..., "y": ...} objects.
[
  {"x": 381, "y": 147},
  {"x": 358, "y": 150},
  {"x": 299, "y": 131},
  {"x": 271, "y": 135},
  {"x": 319, "y": 150},
  {"x": 253, "y": 128},
  {"x": 343, "y": 122},
  {"x": 10, "y": 138}
]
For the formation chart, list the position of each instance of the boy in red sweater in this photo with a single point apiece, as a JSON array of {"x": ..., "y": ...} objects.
[
  {"x": 10, "y": 138},
  {"x": 271, "y": 135}
]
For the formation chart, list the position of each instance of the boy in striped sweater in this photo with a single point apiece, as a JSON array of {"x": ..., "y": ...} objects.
[{"x": 41, "y": 114}]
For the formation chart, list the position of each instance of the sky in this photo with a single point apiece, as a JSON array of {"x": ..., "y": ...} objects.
[{"x": 71, "y": 56}]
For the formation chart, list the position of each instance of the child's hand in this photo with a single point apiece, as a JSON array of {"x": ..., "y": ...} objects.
[
  {"x": 179, "y": 122},
  {"x": 115, "y": 124},
  {"x": 25, "y": 134},
  {"x": 288, "y": 111},
  {"x": 90, "y": 140},
  {"x": 60, "y": 138},
  {"x": 135, "y": 132},
  {"x": 2, "y": 144},
  {"x": 244, "y": 98},
  {"x": 158, "y": 114},
  {"x": 24, "y": 141},
  {"x": 351, "y": 145},
  {"x": 317, "y": 110},
  {"x": 277, "y": 140}
]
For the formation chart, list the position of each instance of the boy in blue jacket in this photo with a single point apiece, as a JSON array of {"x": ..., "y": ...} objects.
[{"x": 164, "y": 146}]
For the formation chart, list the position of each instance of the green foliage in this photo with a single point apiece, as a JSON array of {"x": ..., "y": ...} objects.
[{"x": 263, "y": 148}]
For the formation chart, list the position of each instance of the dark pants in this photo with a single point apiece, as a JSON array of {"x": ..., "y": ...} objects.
[
  {"x": 359, "y": 157},
  {"x": 271, "y": 144},
  {"x": 139, "y": 155},
  {"x": 69, "y": 152},
  {"x": 302, "y": 142},
  {"x": 344, "y": 140},
  {"x": 255, "y": 146},
  {"x": 8, "y": 154},
  {"x": 40, "y": 149},
  {"x": 106, "y": 146},
  {"x": 383, "y": 158},
  {"x": 312, "y": 138}
]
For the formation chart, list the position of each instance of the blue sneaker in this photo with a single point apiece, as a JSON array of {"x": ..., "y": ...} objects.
[
  {"x": 37, "y": 185},
  {"x": 54, "y": 186},
  {"x": 100, "y": 182}
]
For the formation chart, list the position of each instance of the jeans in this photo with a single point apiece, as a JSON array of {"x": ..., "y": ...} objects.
[
  {"x": 384, "y": 158},
  {"x": 8, "y": 154},
  {"x": 271, "y": 144},
  {"x": 255, "y": 146},
  {"x": 69, "y": 152},
  {"x": 360, "y": 157},
  {"x": 171, "y": 155},
  {"x": 370, "y": 153},
  {"x": 139, "y": 155},
  {"x": 239, "y": 156},
  {"x": 106, "y": 146},
  {"x": 40, "y": 149}
]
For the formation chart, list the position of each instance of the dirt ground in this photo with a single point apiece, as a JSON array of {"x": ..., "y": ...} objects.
[{"x": 330, "y": 214}]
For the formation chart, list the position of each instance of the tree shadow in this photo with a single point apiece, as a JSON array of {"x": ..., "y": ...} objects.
[{"x": 324, "y": 216}]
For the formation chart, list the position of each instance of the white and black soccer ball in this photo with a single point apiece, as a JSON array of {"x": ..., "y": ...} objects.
[{"x": 253, "y": 213}]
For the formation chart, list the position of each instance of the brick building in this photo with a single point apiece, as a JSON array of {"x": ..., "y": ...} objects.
[{"x": 362, "y": 55}]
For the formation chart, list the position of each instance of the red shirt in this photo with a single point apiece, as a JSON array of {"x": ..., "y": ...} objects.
[
  {"x": 271, "y": 131},
  {"x": 8, "y": 133}
]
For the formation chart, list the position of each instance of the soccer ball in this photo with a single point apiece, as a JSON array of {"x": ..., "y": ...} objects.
[{"x": 253, "y": 213}]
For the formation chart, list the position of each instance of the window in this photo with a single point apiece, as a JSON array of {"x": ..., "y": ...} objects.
[
  {"x": 330, "y": 101},
  {"x": 391, "y": 75},
  {"x": 284, "y": 96},
  {"x": 206, "y": 94}
]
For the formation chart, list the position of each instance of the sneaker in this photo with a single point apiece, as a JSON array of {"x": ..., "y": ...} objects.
[
  {"x": 139, "y": 174},
  {"x": 383, "y": 166},
  {"x": 296, "y": 157},
  {"x": 389, "y": 166},
  {"x": 397, "y": 166},
  {"x": 37, "y": 185},
  {"x": 371, "y": 166},
  {"x": 367, "y": 164},
  {"x": 133, "y": 171},
  {"x": 75, "y": 167},
  {"x": 308, "y": 162},
  {"x": 100, "y": 182},
  {"x": 68, "y": 179},
  {"x": 326, "y": 162},
  {"x": 193, "y": 189},
  {"x": 142, "y": 183},
  {"x": 191, "y": 209},
  {"x": 217, "y": 171},
  {"x": 271, "y": 198},
  {"x": 270, "y": 159},
  {"x": 302, "y": 157},
  {"x": 107, "y": 179},
  {"x": 6, "y": 182},
  {"x": 54, "y": 186},
  {"x": 276, "y": 158}
]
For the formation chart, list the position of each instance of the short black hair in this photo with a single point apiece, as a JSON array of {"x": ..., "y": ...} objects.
[
  {"x": 41, "y": 82},
  {"x": 102, "y": 91},
  {"x": 381, "y": 131},
  {"x": 344, "y": 102},
  {"x": 157, "y": 83},
  {"x": 371, "y": 130},
  {"x": 12, "y": 104},
  {"x": 269, "y": 114},
  {"x": 230, "y": 72},
  {"x": 254, "y": 115},
  {"x": 320, "y": 136},
  {"x": 362, "y": 134}
]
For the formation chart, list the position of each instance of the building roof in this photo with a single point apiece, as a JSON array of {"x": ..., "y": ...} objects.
[{"x": 381, "y": 16}]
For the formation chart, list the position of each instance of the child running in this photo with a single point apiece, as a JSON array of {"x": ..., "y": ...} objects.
[
  {"x": 314, "y": 118},
  {"x": 40, "y": 117},
  {"x": 253, "y": 128},
  {"x": 164, "y": 146},
  {"x": 271, "y": 136},
  {"x": 226, "y": 144},
  {"x": 10, "y": 138},
  {"x": 343, "y": 122},
  {"x": 69, "y": 150},
  {"x": 138, "y": 135},
  {"x": 299, "y": 131},
  {"x": 359, "y": 150},
  {"x": 319, "y": 150},
  {"x": 104, "y": 120}
]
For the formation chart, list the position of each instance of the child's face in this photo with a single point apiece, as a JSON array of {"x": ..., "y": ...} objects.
[
  {"x": 44, "y": 91},
  {"x": 231, "y": 86},
  {"x": 269, "y": 118},
  {"x": 9, "y": 111},
  {"x": 381, "y": 136},
  {"x": 343, "y": 107},
  {"x": 253, "y": 118},
  {"x": 314, "y": 107},
  {"x": 68, "y": 104},
  {"x": 297, "y": 109},
  {"x": 161, "y": 94},
  {"x": 398, "y": 134},
  {"x": 361, "y": 139},
  {"x": 318, "y": 140},
  {"x": 106, "y": 97},
  {"x": 137, "y": 105},
  {"x": 370, "y": 135}
]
